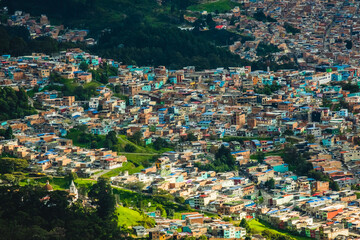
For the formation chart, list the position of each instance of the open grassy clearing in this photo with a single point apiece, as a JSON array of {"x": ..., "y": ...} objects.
[
  {"x": 221, "y": 6},
  {"x": 258, "y": 227}
]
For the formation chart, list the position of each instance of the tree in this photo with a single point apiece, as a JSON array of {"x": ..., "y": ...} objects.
[
  {"x": 117, "y": 89},
  {"x": 160, "y": 143},
  {"x": 180, "y": 200},
  {"x": 244, "y": 223},
  {"x": 84, "y": 66},
  {"x": 191, "y": 137},
  {"x": 10, "y": 178},
  {"x": 72, "y": 176},
  {"x": 260, "y": 16},
  {"x": 310, "y": 138},
  {"x": 260, "y": 156},
  {"x": 290, "y": 29},
  {"x": 111, "y": 139},
  {"x": 224, "y": 155},
  {"x": 227, "y": 219},
  {"x": 8, "y": 133},
  {"x": 326, "y": 102},
  {"x": 270, "y": 183},
  {"x": 288, "y": 132},
  {"x": 162, "y": 210},
  {"x": 102, "y": 197},
  {"x": 39, "y": 214},
  {"x": 170, "y": 212},
  {"x": 349, "y": 44},
  {"x": 297, "y": 161},
  {"x": 10, "y": 165},
  {"x": 224, "y": 161},
  {"x": 210, "y": 22},
  {"x": 136, "y": 138},
  {"x": 14, "y": 104},
  {"x": 152, "y": 128},
  {"x": 334, "y": 186},
  {"x": 130, "y": 148},
  {"x": 232, "y": 20}
]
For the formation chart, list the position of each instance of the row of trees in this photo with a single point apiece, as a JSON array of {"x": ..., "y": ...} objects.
[
  {"x": 30, "y": 212},
  {"x": 268, "y": 89}
]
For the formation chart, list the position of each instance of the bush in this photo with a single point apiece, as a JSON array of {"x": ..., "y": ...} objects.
[
  {"x": 130, "y": 148},
  {"x": 227, "y": 219}
]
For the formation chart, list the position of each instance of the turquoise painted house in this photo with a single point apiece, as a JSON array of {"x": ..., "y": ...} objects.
[
  {"x": 281, "y": 168},
  {"x": 328, "y": 142},
  {"x": 146, "y": 88}
]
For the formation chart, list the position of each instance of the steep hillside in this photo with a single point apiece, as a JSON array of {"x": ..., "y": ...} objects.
[{"x": 136, "y": 32}]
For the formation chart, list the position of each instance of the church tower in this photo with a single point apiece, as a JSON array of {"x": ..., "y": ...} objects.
[{"x": 73, "y": 191}]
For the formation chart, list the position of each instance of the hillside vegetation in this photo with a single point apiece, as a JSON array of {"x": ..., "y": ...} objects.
[
  {"x": 220, "y": 6},
  {"x": 134, "y": 32},
  {"x": 14, "y": 104}
]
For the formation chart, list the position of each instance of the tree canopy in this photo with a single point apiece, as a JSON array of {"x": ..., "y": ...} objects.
[
  {"x": 32, "y": 213},
  {"x": 101, "y": 195},
  {"x": 223, "y": 162},
  {"x": 10, "y": 165},
  {"x": 14, "y": 104}
]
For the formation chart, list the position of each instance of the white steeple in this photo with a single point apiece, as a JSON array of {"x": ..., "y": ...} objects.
[{"x": 73, "y": 190}]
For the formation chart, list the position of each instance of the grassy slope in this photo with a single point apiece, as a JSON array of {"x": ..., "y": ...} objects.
[
  {"x": 135, "y": 160},
  {"x": 58, "y": 183},
  {"x": 220, "y": 5},
  {"x": 273, "y": 153},
  {"x": 139, "y": 149},
  {"x": 258, "y": 227},
  {"x": 78, "y": 13},
  {"x": 128, "y": 166},
  {"x": 123, "y": 141},
  {"x": 128, "y": 217}
]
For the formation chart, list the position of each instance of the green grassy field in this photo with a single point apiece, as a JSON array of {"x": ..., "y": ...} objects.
[
  {"x": 128, "y": 166},
  {"x": 138, "y": 159},
  {"x": 139, "y": 149},
  {"x": 258, "y": 227},
  {"x": 58, "y": 183},
  {"x": 221, "y": 6},
  {"x": 273, "y": 153},
  {"x": 128, "y": 217}
]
